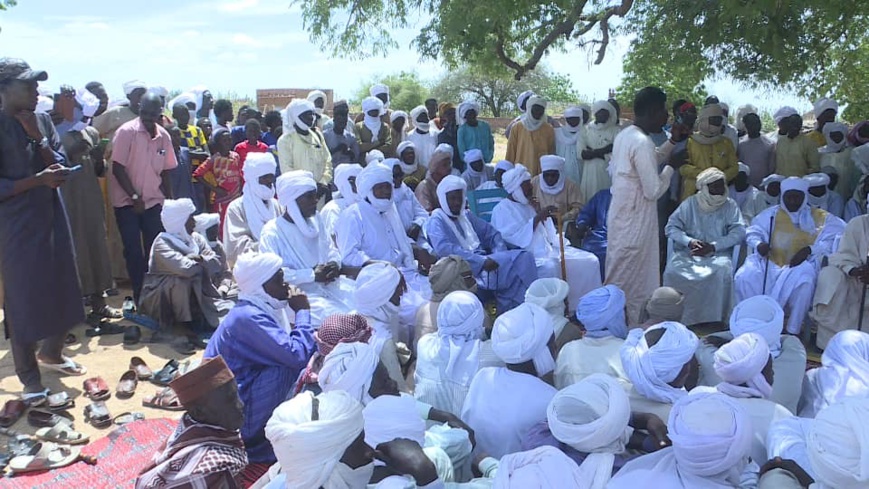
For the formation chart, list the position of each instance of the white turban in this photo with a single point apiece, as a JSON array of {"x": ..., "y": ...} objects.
[
  {"x": 448, "y": 184},
  {"x": 204, "y": 222},
  {"x": 824, "y": 104},
  {"x": 705, "y": 199},
  {"x": 464, "y": 107},
  {"x": 456, "y": 346},
  {"x": 258, "y": 165},
  {"x": 133, "y": 85},
  {"x": 573, "y": 111},
  {"x": 512, "y": 181},
  {"x": 313, "y": 96},
  {"x": 473, "y": 155},
  {"x": 88, "y": 101},
  {"x": 309, "y": 450},
  {"x": 742, "y": 112},
  {"x": 369, "y": 177},
  {"x": 549, "y": 163},
  {"x": 298, "y": 107},
  {"x": 504, "y": 165},
  {"x": 377, "y": 89},
  {"x": 832, "y": 146},
  {"x": 415, "y": 113},
  {"x": 838, "y": 445},
  {"x": 257, "y": 199},
  {"x": 445, "y": 149},
  {"x": 252, "y": 270},
  {"x": 523, "y": 98},
  {"x": 845, "y": 366},
  {"x": 175, "y": 214},
  {"x": 374, "y": 155},
  {"x": 527, "y": 119},
  {"x": 397, "y": 482},
  {"x": 802, "y": 218},
  {"x": 760, "y": 314},
  {"x": 372, "y": 103},
  {"x": 373, "y": 123},
  {"x": 592, "y": 417},
  {"x": 817, "y": 179},
  {"x": 184, "y": 99},
  {"x": 545, "y": 467},
  {"x": 468, "y": 238},
  {"x": 158, "y": 91},
  {"x": 522, "y": 334},
  {"x": 389, "y": 417},
  {"x": 651, "y": 369},
  {"x": 398, "y": 114},
  {"x": 349, "y": 367},
  {"x": 602, "y": 312},
  {"x": 784, "y": 113},
  {"x": 741, "y": 361},
  {"x": 343, "y": 174},
  {"x": 402, "y": 146},
  {"x": 375, "y": 285},
  {"x": 548, "y": 293},
  {"x": 775, "y": 177},
  {"x": 291, "y": 186},
  {"x": 604, "y": 105}
]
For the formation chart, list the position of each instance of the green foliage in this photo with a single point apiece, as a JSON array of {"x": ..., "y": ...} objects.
[
  {"x": 5, "y": 4},
  {"x": 406, "y": 90}
]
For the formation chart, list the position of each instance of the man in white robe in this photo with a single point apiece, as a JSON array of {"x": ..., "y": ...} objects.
[
  {"x": 843, "y": 374},
  {"x": 595, "y": 147},
  {"x": 790, "y": 241},
  {"x": 504, "y": 402},
  {"x": 602, "y": 313},
  {"x": 424, "y": 135},
  {"x": 246, "y": 215},
  {"x": 838, "y": 294},
  {"x": 544, "y": 468},
  {"x": 413, "y": 215},
  {"x": 711, "y": 445},
  {"x": 477, "y": 171},
  {"x": 551, "y": 294},
  {"x": 768, "y": 195},
  {"x": 345, "y": 180},
  {"x": 820, "y": 194},
  {"x": 633, "y": 260},
  {"x": 704, "y": 230},
  {"x": 760, "y": 314},
  {"x": 743, "y": 193},
  {"x": 660, "y": 364},
  {"x": 371, "y": 229},
  {"x": 567, "y": 142},
  {"x": 837, "y": 155},
  {"x": 524, "y": 226},
  {"x": 310, "y": 260}
]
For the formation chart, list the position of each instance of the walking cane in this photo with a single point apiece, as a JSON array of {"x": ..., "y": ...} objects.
[
  {"x": 558, "y": 219},
  {"x": 862, "y": 301},
  {"x": 766, "y": 269}
]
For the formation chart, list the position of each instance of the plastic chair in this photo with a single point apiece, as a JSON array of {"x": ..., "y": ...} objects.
[{"x": 482, "y": 202}]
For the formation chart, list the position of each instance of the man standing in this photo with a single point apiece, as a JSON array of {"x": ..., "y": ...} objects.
[
  {"x": 303, "y": 148},
  {"x": 532, "y": 137},
  {"x": 796, "y": 154},
  {"x": 340, "y": 139},
  {"x": 141, "y": 159},
  {"x": 36, "y": 250},
  {"x": 424, "y": 139},
  {"x": 632, "y": 223},
  {"x": 825, "y": 110},
  {"x": 756, "y": 150}
]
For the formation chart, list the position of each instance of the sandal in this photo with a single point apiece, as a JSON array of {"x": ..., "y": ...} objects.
[
  {"x": 44, "y": 456},
  {"x": 97, "y": 414},
  {"x": 11, "y": 412},
  {"x": 42, "y": 419},
  {"x": 127, "y": 385},
  {"x": 125, "y": 418},
  {"x": 60, "y": 401},
  {"x": 143, "y": 371},
  {"x": 68, "y": 367},
  {"x": 35, "y": 399},
  {"x": 70, "y": 339},
  {"x": 165, "y": 399},
  {"x": 166, "y": 374},
  {"x": 96, "y": 389},
  {"x": 108, "y": 312},
  {"x": 62, "y": 433},
  {"x": 105, "y": 329}
]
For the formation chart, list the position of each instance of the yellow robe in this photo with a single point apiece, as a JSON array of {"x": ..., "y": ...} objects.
[
  {"x": 817, "y": 137},
  {"x": 797, "y": 157},
  {"x": 720, "y": 154},
  {"x": 787, "y": 239},
  {"x": 526, "y": 147}
]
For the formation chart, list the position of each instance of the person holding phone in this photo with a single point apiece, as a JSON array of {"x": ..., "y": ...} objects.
[{"x": 42, "y": 294}]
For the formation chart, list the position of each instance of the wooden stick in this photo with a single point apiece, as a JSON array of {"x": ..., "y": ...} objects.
[{"x": 558, "y": 219}]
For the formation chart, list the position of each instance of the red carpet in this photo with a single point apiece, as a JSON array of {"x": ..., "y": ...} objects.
[{"x": 120, "y": 457}]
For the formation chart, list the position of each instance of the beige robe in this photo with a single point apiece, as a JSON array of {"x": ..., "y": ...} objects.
[
  {"x": 526, "y": 147},
  {"x": 568, "y": 201},
  {"x": 796, "y": 157},
  {"x": 836, "y": 306}
]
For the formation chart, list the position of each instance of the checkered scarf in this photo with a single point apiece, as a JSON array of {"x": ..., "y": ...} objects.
[{"x": 337, "y": 328}]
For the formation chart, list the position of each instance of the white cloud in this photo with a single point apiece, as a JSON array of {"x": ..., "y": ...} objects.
[
  {"x": 237, "y": 6},
  {"x": 245, "y": 40}
]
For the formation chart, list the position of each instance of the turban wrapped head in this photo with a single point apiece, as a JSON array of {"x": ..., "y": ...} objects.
[
  {"x": 350, "y": 367},
  {"x": 838, "y": 445},
  {"x": 665, "y": 304},
  {"x": 204, "y": 222},
  {"x": 545, "y": 467},
  {"x": 133, "y": 85},
  {"x": 446, "y": 276},
  {"x": 552, "y": 163},
  {"x": 298, "y": 107},
  {"x": 522, "y": 100},
  {"x": 824, "y": 104},
  {"x": 652, "y": 368},
  {"x": 369, "y": 177},
  {"x": 375, "y": 285},
  {"x": 343, "y": 174},
  {"x": 291, "y": 186},
  {"x": 742, "y": 361},
  {"x": 783, "y": 113},
  {"x": 602, "y": 312},
  {"x": 465, "y": 107},
  {"x": 833, "y": 146},
  {"x": 315, "y": 95},
  {"x": 522, "y": 334},
  {"x": 760, "y": 314},
  {"x": 512, "y": 181},
  {"x": 175, "y": 214},
  {"x": 527, "y": 119},
  {"x": 707, "y": 201}
]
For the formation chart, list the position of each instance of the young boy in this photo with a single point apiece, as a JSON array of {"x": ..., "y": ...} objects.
[
  {"x": 182, "y": 176},
  {"x": 253, "y": 132}
]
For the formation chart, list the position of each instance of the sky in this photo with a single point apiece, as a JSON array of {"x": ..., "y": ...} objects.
[{"x": 236, "y": 47}]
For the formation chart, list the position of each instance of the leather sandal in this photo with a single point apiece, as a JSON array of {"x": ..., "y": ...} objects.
[
  {"x": 96, "y": 389},
  {"x": 11, "y": 412},
  {"x": 143, "y": 371},
  {"x": 127, "y": 385}
]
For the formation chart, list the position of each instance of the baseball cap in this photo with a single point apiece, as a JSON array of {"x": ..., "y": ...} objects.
[{"x": 18, "y": 69}]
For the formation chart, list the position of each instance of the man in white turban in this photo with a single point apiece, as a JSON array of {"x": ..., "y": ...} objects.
[
  {"x": 768, "y": 196},
  {"x": 660, "y": 364},
  {"x": 246, "y": 215},
  {"x": 372, "y": 126},
  {"x": 303, "y": 147},
  {"x": 350, "y": 367},
  {"x": 531, "y": 137},
  {"x": 711, "y": 437},
  {"x": 837, "y": 154},
  {"x": 796, "y": 154},
  {"x": 825, "y": 111},
  {"x": 743, "y": 193},
  {"x": 179, "y": 275},
  {"x": 820, "y": 192},
  {"x": 790, "y": 241},
  {"x": 413, "y": 172},
  {"x": 477, "y": 172},
  {"x": 504, "y": 402},
  {"x": 454, "y": 230},
  {"x": 526, "y": 224},
  {"x": 261, "y": 347},
  {"x": 596, "y": 147},
  {"x": 552, "y": 294},
  {"x": 345, "y": 180},
  {"x": 553, "y": 188},
  {"x": 424, "y": 136},
  {"x": 760, "y": 314},
  {"x": 310, "y": 258},
  {"x": 474, "y": 133},
  {"x": 825, "y": 453},
  {"x": 844, "y": 373},
  {"x": 318, "y": 99},
  {"x": 412, "y": 214},
  {"x": 542, "y": 468},
  {"x": 566, "y": 144},
  {"x": 601, "y": 313},
  {"x": 704, "y": 230}
]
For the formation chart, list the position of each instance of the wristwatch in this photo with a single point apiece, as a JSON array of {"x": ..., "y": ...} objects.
[
  {"x": 135, "y": 197},
  {"x": 44, "y": 143}
]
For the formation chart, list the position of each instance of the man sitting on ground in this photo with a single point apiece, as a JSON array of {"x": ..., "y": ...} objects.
[
  {"x": 247, "y": 214},
  {"x": 439, "y": 167},
  {"x": 665, "y": 304}
]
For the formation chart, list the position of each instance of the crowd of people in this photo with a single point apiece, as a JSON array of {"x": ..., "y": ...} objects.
[{"x": 366, "y": 324}]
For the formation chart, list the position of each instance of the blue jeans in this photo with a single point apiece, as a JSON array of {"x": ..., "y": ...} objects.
[{"x": 138, "y": 232}]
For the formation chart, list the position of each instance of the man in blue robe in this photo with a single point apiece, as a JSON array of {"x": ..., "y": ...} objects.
[{"x": 591, "y": 226}]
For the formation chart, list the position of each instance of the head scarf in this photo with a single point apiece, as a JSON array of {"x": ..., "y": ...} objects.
[
  {"x": 133, "y": 85},
  {"x": 291, "y": 186},
  {"x": 550, "y": 293},
  {"x": 838, "y": 445},
  {"x": 760, "y": 314},
  {"x": 522, "y": 334},
  {"x": 592, "y": 417},
  {"x": 783, "y": 113},
  {"x": 503, "y": 165},
  {"x": 832, "y": 146},
  {"x": 706, "y": 132},
  {"x": 445, "y": 277},
  {"x": 399, "y": 151},
  {"x": 296, "y": 108},
  {"x": 390, "y": 417},
  {"x": 414, "y": 115},
  {"x": 184, "y": 99},
  {"x": 770, "y": 200},
  {"x": 343, "y": 174},
  {"x": 573, "y": 111},
  {"x": 741, "y": 113},
  {"x": 398, "y": 114},
  {"x": 651, "y": 369},
  {"x": 375, "y": 285},
  {"x": 844, "y": 368},
  {"x": 743, "y": 168},
  {"x": 522, "y": 99},
  {"x": 741, "y": 361},
  {"x": 602, "y": 312},
  {"x": 613, "y": 119},
  {"x": 467, "y": 237},
  {"x": 204, "y": 222},
  {"x": 512, "y": 181},
  {"x": 824, "y": 104},
  {"x": 707, "y": 201},
  {"x": 566, "y": 136},
  {"x": 251, "y": 271},
  {"x": 818, "y": 180},
  {"x": 377, "y": 89},
  {"x": 175, "y": 214},
  {"x": 313, "y": 96},
  {"x": 854, "y": 136},
  {"x": 802, "y": 218},
  {"x": 374, "y": 156},
  {"x": 455, "y": 349},
  {"x": 371, "y": 175},
  {"x": 372, "y": 123},
  {"x": 337, "y": 328},
  {"x": 548, "y": 163},
  {"x": 88, "y": 101},
  {"x": 350, "y": 367},
  {"x": 860, "y": 157},
  {"x": 665, "y": 304},
  {"x": 257, "y": 199},
  {"x": 310, "y": 450},
  {"x": 528, "y": 120},
  {"x": 545, "y": 467},
  {"x": 464, "y": 107}
]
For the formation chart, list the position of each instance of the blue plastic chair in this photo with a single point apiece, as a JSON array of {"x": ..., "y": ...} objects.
[{"x": 481, "y": 202}]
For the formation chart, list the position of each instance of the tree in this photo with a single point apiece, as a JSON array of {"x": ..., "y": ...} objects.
[
  {"x": 496, "y": 89},
  {"x": 406, "y": 90}
]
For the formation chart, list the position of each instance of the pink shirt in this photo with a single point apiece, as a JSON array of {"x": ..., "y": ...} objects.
[{"x": 145, "y": 160}]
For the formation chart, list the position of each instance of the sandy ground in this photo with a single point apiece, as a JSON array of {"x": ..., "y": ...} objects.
[{"x": 104, "y": 356}]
